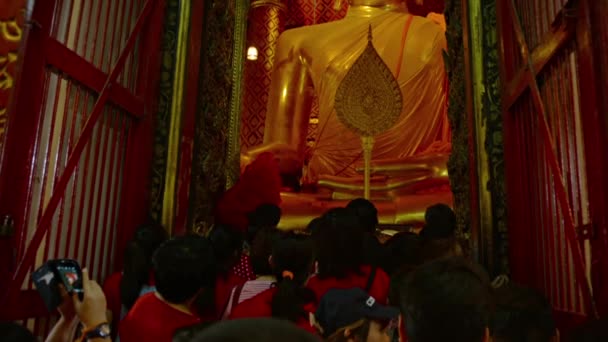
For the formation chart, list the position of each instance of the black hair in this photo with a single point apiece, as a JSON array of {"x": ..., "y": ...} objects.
[
  {"x": 183, "y": 266},
  {"x": 13, "y": 332},
  {"x": 251, "y": 330},
  {"x": 138, "y": 261},
  {"x": 400, "y": 251},
  {"x": 227, "y": 245},
  {"x": 366, "y": 212},
  {"x": 340, "y": 244},
  {"x": 264, "y": 216},
  {"x": 451, "y": 293},
  {"x": 521, "y": 314},
  {"x": 291, "y": 254},
  {"x": 261, "y": 250},
  {"x": 440, "y": 222}
]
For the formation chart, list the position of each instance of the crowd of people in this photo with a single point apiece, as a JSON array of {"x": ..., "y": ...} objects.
[{"x": 335, "y": 281}]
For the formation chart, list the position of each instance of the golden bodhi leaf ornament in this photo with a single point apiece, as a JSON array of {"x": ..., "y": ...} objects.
[{"x": 369, "y": 100}]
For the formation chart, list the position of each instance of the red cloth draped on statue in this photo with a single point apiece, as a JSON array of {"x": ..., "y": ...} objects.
[{"x": 259, "y": 184}]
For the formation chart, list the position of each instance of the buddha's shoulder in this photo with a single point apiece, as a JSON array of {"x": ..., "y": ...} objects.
[{"x": 304, "y": 34}]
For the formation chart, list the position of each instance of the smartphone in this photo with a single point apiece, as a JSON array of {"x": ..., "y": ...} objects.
[{"x": 54, "y": 272}]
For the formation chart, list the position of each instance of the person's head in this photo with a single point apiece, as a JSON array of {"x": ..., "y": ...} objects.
[
  {"x": 446, "y": 300},
  {"x": 353, "y": 315},
  {"x": 292, "y": 264},
  {"x": 521, "y": 314},
  {"x": 138, "y": 261},
  {"x": 245, "y": 330},
  {"x": 264, "y": 216},
  {"x": 340, "y": 244},
  {"x": 183, "y": 266},
  {"x": 13, "y": 332},
  {"x": 261, "y": 250},
  {"x": 227, "y": 244},
  {"x": 440, "y": 222},
  {"x": 401, "y": 250},
  {"x": 366, "y": 212}
]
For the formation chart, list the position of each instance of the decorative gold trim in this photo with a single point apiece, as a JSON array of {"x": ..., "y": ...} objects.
[
  {"x": 238, "y": 58},
  {"x": 278, "y": 3},
  {"x": 482, "y": 159},
  {"x": 175, "y": 126}
]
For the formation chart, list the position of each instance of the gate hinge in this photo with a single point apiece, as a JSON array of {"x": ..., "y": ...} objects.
[{"x": 7, "y": 227}]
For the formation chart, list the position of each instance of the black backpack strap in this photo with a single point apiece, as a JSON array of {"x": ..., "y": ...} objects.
[{"x": 370, "y": 280}]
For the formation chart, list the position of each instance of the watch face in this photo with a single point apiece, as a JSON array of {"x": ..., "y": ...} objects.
[{"x": 102, "y": 331}]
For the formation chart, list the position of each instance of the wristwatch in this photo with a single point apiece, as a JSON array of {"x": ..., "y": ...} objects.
[{"x": 101, "y": 331}]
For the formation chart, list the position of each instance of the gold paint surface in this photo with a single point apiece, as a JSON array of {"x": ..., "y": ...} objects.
[{"x": 175, "y": 126}]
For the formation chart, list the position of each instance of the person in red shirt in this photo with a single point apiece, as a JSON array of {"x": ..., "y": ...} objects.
[
  {"x": 123, "y": 288},
  {"x": 341, "y": 259},
  {"x": 184, "y": 267},
  {"x": 289, "y": 299}
]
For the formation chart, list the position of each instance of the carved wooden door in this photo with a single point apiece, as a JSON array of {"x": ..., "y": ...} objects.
[
  {"x": 552, "y": 134},
  {"x": 79, "y": 138}
]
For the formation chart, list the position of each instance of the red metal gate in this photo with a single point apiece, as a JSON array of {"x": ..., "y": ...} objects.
[
  {"x": 79, "y": 137},
  {"x": 548, "y": 103}
]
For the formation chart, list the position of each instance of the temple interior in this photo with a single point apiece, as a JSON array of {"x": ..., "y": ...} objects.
[{"x": 193, "y": 114}]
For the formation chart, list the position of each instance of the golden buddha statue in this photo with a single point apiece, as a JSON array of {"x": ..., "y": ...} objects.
[{"x": 407, "y": 160}]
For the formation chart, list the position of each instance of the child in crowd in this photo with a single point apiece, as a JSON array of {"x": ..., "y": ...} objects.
[
  {"x": 260, "y": 256},
  {"x": 289, "y": 299}
]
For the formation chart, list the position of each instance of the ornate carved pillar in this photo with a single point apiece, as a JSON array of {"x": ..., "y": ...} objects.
[
  {"x": 12, "y": 18},
  {"x": 266, "y": 21}
]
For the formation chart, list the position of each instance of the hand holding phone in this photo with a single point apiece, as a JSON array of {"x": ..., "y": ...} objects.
[{"x": 48, "y": 277}]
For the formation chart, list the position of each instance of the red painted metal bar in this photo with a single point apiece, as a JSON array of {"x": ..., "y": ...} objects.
[
  {"x": 91, "y": 225},
  {"x": 557, "y": 177},
  {"x": 553, "y": 212},
  {"x": 105, "y": 131},
  {"x": 122, "y": 141},
  {"x": 135, "y": 191},
  {"x": 60, "y": 164},
  {"x": 74, "y": 131},
  {"x": 48, "y": 158},
  {"x": 123, "y": 77},
  {"x": 562, "y": 32},
  {"x": 592, "y": 46},
  {"x": 114, "y": 123},
  {"x": 69, "y": 62},
  {"x": 65, "y": 138},
  {"x": 113, "y": 127},
  {"x": 47, "y": 217}
]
